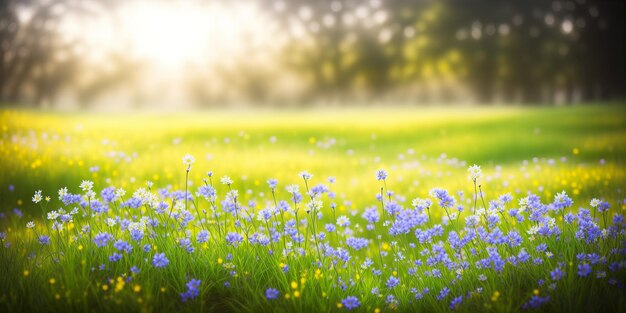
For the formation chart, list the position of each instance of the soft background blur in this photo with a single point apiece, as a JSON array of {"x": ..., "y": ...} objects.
[{"x": 111, "y": 54}]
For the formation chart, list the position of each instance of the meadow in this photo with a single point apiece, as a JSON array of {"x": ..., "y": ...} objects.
[{"x": 503, "y": 209}]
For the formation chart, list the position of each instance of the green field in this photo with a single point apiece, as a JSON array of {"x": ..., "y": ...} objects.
[{"x": 543, "y": 151}]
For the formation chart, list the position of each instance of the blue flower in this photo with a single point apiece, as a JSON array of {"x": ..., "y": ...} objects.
[
  {"x": 535, "y": 302},
  {"x": 193, "y": 290},
  {"x": 556, "y": 274},
  {"x": 272, "y": 183},
  {"x": 115, "y": 257},
  {"x": 357, "y": 243},
  {"x": 584, "y": 269},
  {"x": 351, "y": 302},
  {"x": 455, "y": 302},
  {"x": 102, "y": 239},
  {"x": 159, "y": 260},
  {"x": 44, "y": 240},
  {"x": 121, "y": 245},
  {"x": 271, "y": 293},
  {"x": 381, "y": 175},
  {"x": 392, "y": 282},
  {"x": 202, "y": 236},
  {"x": 234, "y": 239}
]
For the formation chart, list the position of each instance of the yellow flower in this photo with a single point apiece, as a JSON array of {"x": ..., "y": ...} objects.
[
  {"x": 137, "y": 288},
  {"x": 294, "y": 284},
  {"x": 296, "y": 294},
  {"x": 26, "y": 273},
  {"x": 52, "y": 281},
  {"x": 536, "y": 292}
]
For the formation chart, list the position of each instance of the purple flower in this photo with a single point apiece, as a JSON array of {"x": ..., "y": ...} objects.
[
  {"x": 351, "y": 302},
  {"x": 203, "y": 236},
  {"x": 123, "y": 246},
  {"x": 584, "y": 269},
  {"x": 392, "y": 282},
  {"x": 234, "y": 239},
  {"x": 357, "y": 243},
  {"x": 381, "y": 175},
  {"x": 455, "y": 302},
  {"x": 44, "y": 240},
  {"x": 102, "y": 239},
  {"x": 115, "y": 257},
  {"x": 159, "y": 260},
  {"x": 271, "y": 293},
  {"x": 272, "y": 183},
  {"x": 556, "y": 274},
  {"x": 193, "y": 290}
]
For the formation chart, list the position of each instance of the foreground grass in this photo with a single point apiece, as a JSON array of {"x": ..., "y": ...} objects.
[{"x": 538, "y": 151}]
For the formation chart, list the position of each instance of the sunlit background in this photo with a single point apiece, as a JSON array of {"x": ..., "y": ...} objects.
[{"x": 110, "y": 54}]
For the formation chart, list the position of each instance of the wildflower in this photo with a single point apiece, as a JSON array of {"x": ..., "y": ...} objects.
[
  {"x": 443, "y": 293},
  {"x": 193, "y": 290},
  {"x": 272, "y": 183},
  {"x": 392, "y": 282},
  {"x": 292, "y": 189},
  {"x": 203, "y": 236},
  {"x": 475, "y": 172},
  {"x": 271, "y": 293},
  {"x": 159, "y": 260},
  {"x": 556, "y": 274},
  {"x": 86, "y": 185},
  {"x": 357, "y": 243},
  {"x": 536, "y": 302},
  {"x": 234, "y": 239},
  {"x": 343, "y": 221},
  {"x": 594, "y": 203},
  {"x": 305, "y": 175},
  {"x": 115, "y": 257},
  {"x": 225, "y": 180},
  {"x": 44, "y": 240},
  {"x": 30, "y": 225},
  {"x": 37, "y": 197},
  {"x": 381, "y": 174},
  {"x": 584, "y": 269},
  {"x": 351, "y": 302},
  {"x": 102, "y": 239},
  {"x": 455, "y": 302},
  {"x": 121, "y": 245},
  {"x": 188, "y": 159},
  {"x": 62, "y": 193}
]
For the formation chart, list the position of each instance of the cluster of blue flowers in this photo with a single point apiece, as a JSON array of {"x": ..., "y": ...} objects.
[{"x": 485, "y": 240}]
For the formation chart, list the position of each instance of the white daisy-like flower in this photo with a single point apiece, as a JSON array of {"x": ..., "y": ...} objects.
[
  {"x": 475, "y": 172},
  {"x": 225, "y": 180},
  {"x": 188, "y": 159}
]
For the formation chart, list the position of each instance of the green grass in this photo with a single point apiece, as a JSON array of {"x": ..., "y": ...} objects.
[{"x": 579, "y": 150}]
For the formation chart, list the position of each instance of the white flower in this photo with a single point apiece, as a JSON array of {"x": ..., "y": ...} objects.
[
  {"x": 226, "y": 180},
  {"x": 343, "y": 221},
  {"x": 86, "y": 185},
  {"x": 594, "y": 203},
  {"x": 52, "y": 215},
  {"x": 188, "y": 159},
  {"x": 111, "y": 222},
  {"x": 149, "y": 184},
  {"x": 119, "y": 193},
  {"x": 30, "y": 224},
  {"x": 292, "y": 188},
  {"x": 90, "y": 195},
  {"x": 37, "y": 197},
  {"x": 62, "y": 193},
  {"x": 141, "y": 226},
  {"x": 475, "y": 172}
]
